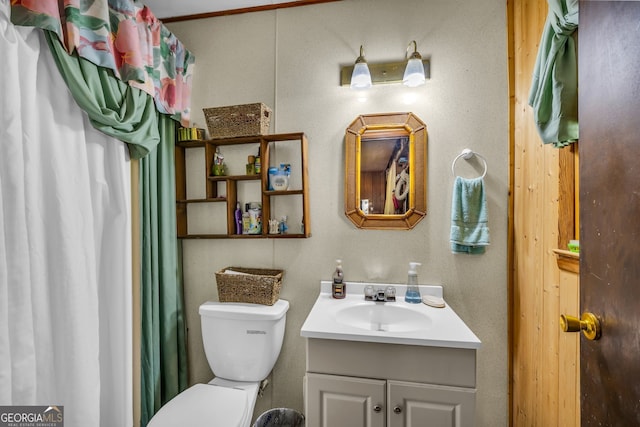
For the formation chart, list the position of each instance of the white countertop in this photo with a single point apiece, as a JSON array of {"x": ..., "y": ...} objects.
[{"x": 445, "y": 328}]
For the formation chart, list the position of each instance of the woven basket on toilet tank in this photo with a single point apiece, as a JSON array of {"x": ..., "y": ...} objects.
[{"x": 251, "y": 285}]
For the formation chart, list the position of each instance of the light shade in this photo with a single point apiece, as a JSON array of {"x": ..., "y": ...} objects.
[
  {"x": 361, "y": 77},
  {"x": 414, "y": 72}
]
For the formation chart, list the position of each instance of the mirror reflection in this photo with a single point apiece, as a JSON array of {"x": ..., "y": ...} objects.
[
  {"x": 385, "y": 171},
  {"x": 384, "y": 174}
]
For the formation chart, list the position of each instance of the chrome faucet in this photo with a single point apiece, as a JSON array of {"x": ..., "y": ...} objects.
[{"x": 382, "y": 295}]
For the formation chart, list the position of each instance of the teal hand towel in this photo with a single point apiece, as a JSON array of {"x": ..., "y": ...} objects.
[{"x": 469, "y": 230}]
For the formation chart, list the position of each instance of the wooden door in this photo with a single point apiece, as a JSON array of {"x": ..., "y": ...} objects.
[
  {"x": 336, "y": 401},
  {"x": 609, "y": 105},
  {"x": 419, "y": 405}
]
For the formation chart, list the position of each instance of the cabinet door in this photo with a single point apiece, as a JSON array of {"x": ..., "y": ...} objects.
[
  {"x": 413, "y": 405},
  {"x": 335, "y": 401}
]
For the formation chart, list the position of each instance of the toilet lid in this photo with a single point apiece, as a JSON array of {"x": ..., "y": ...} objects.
[{"x": 203, "y": 405}]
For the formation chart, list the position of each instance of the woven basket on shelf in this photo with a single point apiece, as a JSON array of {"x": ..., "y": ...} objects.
[
  {"x": 238, "y": 120},
  {"x": 256, "y": 286}
]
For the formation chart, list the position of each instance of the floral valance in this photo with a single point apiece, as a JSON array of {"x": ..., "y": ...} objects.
[{"x": 121, "y": 35}]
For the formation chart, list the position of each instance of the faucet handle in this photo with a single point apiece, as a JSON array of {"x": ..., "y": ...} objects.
[
  {"x": 390, "y": 293},
  {"x": 369, "y": 292},
  {"x": 380, "y": 294}
]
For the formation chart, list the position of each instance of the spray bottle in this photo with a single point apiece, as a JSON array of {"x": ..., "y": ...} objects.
[{"x": 413, "y": 292}]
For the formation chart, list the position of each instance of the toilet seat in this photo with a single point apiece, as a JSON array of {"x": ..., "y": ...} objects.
[{"x": 200, "y": 404}]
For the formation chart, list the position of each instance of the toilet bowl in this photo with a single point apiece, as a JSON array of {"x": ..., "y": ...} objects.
[
  {"x": 242, "y": 343},
  {"x": 200, "y": 404}
]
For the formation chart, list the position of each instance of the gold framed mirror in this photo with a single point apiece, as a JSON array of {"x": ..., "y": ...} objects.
[{"x": 386, "y": 171}]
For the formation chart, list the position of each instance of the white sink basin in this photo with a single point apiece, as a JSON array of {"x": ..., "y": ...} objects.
[
  {"x": 399, "y": 322},
  {"x": 384, "y": 317}
]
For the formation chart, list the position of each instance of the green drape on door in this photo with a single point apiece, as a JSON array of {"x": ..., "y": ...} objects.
[
  {"x": 554, "y": 86},
  {"x": 129, "y": 114}
]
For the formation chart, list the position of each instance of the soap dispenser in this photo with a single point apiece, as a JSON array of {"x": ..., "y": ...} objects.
[
  {"x": 338, "y": 288},
  {"x": 413, "y": 292}
]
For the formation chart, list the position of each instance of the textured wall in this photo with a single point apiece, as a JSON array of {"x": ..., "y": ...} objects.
[{"x": 290, "y": 60}]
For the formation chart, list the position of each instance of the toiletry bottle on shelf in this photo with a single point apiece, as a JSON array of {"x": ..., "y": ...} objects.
[
  {"x": 258, "y": 163},
  {"x": 283, "y": 225},
  {"x": 246, "y": 220},
  {"x": 238, "y": 218},
  {"x": 413, "y": 292},
  {"x": 339, "y": 288},
  {"x": 217, "y": 169},
  {"x": 255, "y": 217},
  {"x": 251, "y": 165},
  {"x": 272, "y": 171}
]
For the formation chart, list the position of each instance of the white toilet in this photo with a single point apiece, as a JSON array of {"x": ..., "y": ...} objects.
[{"x": 242, "y": 343}]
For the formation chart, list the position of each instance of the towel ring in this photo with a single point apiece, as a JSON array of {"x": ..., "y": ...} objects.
[{"x": 467, "y": 154}]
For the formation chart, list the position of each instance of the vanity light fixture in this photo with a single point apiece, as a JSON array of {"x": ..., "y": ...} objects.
[
  {"x": 412, "y": 72},
  {"x": 360, "y": 77}
]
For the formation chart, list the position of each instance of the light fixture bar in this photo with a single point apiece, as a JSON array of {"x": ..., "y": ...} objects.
[{"x": 382, "y": 73}]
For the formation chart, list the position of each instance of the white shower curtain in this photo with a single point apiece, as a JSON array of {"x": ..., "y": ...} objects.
[{"x": 65, "y": 245}]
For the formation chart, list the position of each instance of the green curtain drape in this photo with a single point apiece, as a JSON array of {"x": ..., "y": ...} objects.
[
  {"x": 114, "y": 107},
  {"x": 554, "y": 88},
  {"x": 164, "y": 361},
  {"x": 129, "y": 114}
]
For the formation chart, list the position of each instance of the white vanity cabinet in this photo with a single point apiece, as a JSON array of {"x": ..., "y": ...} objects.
[
  {"x": 365, "y": 384},
  {"x": 414, "y": 405},
  {"x": 334, "y": 401},
  {"x": 387, "y": 364}
]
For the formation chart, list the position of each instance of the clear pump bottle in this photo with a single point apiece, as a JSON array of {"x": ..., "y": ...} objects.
[{"x": 413, "y": 292}]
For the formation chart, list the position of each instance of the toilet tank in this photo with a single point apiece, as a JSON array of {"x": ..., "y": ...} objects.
[{"x": 242, "y": 342}]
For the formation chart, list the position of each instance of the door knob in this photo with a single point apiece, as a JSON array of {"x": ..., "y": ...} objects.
[
  {"x": 588, "y": 324},
  {"x": 377, "y": 408},
  {"x": 397, "y": 409}
]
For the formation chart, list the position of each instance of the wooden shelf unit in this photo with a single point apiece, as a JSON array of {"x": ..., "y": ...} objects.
[{"x": 230, "y": 198}]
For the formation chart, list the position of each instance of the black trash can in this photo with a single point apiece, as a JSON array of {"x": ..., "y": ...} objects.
[{"x": 280, "y": 417}]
